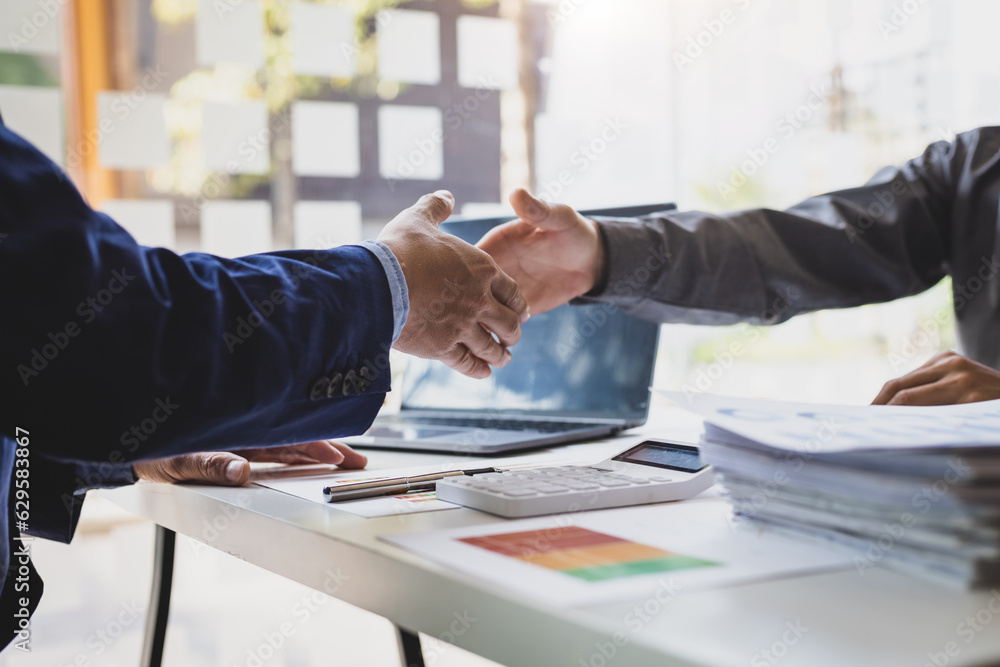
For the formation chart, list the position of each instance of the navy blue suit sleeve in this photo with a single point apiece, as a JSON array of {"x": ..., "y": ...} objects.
[
  {"x": 112, "y": 352},
  {"x": 55, "y": 513}
]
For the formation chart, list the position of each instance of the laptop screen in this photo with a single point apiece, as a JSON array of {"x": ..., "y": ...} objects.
[{"x": 589, "y": 361}]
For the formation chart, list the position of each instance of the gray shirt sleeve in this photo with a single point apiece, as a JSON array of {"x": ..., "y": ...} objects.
[{"x": 887, "y": 239}]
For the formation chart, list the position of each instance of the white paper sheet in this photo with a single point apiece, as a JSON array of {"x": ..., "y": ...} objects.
[
  {"x": 151, "y": 223},
  {"x": 236, "y": 228},
  {"x": 409, "y": 46},
  {"x": 311, "y": 487},
  {"x": 30, "y": 26},
  {"x": 411, "y": 143},
  {"x": 834, "y": 428},
  {"x": 323, "y": 41},
  {"x": 36, "y": 113},
  {"x": 133, "y": 130},
  {"x": 704, "y": 550},
  {"x": 487, "y": 53},
  {"x": 327, "y": 224},
  {"x": 236, "y": 138},
  {"x": 325, "y": 139},
  {"x": 230, "y": 32}
]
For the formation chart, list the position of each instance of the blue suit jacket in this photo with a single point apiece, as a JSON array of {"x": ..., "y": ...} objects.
[{"x": 111, "y": 352}]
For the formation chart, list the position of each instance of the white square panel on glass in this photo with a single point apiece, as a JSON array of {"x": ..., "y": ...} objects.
[
  {"x": 236, "y": 137},
  {"x": 31, "y": 26},
  {"x": 410, "y": 143},
  {"x": 409, "y": 46},
  {"x": 323, "y": 41},
  {"x": 487, "y": 53},
  {"x": 132, "y": 129},
  {"x": 236, "y": 228},
  {"x": 327, "y": 224},
  {"x": 325, "y": 140},
  {"x": 37, "y": 115},
  {"x": 150, "y": 222},
  {"x": 230, "y": 32}
]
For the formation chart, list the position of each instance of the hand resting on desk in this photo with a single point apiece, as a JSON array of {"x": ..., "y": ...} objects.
[
  {"x": 947, "y": 379},
  {"x": 233, "y": 469}
]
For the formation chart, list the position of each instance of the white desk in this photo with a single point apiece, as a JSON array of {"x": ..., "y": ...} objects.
[{"x": 844, "y": 619}]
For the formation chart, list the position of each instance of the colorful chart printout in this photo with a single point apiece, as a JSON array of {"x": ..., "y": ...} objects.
[{"x": 585, "y": 554}]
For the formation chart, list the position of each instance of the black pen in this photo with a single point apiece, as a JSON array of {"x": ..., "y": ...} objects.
[{"x": 393, "y": 485}]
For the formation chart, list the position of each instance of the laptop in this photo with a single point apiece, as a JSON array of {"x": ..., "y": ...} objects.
[{"x": 578, "y": 373}]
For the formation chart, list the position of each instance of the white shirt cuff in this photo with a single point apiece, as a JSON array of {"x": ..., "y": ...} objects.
[{"x": 397, "y": 285}]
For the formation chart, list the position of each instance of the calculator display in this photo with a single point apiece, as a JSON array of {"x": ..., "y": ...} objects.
[{"x": 663, "y": 455}]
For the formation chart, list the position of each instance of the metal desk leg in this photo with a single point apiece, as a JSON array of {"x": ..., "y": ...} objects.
[
  {"x": 410, "y": 653},
  {"x": 159, "y": 598}
]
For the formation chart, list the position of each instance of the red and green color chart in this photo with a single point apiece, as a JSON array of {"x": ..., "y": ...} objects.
[{"x": 585, "y": 554}]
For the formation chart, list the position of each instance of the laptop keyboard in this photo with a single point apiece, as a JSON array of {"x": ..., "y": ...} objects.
[{"x": 501, "y": 424}]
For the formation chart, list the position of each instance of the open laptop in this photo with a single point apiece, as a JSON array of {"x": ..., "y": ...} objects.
[{"x": 578, "y": 372}]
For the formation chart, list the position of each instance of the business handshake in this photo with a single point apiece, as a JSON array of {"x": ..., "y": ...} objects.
[{"x": 467, "y": 303}]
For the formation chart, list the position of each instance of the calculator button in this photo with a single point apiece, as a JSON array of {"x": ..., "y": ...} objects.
[
  {"x": 481, "y": 487},
  {"x": 550, "y": 488},
  {"x": 580, "y": 486},
  {"x": 613, "y": 482},
  {"x": 631, "y": 480},
  {"x": 519, "y": 493}
]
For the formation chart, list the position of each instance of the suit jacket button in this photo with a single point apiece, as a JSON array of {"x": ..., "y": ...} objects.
[
  {"x": 334, "y": 388},
  {"x": 318, "y": 390}
]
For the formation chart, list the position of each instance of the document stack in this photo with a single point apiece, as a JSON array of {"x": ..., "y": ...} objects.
[{"x": 914, "y": 489}]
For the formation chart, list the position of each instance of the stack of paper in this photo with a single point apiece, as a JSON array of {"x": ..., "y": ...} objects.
[{"x": 916, "y": 489}]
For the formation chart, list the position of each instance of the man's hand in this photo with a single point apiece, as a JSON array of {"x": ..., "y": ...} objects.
[
  {"x": 946, "y": 379},
  {"x": 458, "y": 294},
  {"x": 552, "y": 252},
  {"x": 229, "y": 469}
]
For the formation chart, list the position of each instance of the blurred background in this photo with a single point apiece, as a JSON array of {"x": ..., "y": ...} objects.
[{"x": 241, "y": 126}]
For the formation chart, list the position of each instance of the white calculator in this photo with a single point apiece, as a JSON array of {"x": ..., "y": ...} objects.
[{"x": 653, "y": 471}]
